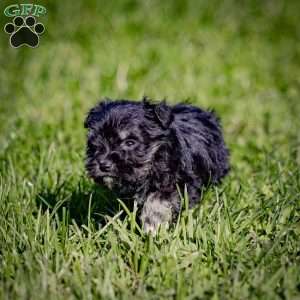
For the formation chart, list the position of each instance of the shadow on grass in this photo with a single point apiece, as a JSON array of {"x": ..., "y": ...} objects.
[
  {"x": 84, "y": 202},
  {"x": 79, "y": 202}
]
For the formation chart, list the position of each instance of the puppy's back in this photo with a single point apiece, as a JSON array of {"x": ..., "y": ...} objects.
[{"x": 200, "y": 137}]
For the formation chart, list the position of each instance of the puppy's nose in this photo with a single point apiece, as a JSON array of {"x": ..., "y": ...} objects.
[{"x": 105, "y": 166}]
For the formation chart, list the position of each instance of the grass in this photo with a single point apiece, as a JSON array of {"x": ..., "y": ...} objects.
[{"x": 61, "y": 237}]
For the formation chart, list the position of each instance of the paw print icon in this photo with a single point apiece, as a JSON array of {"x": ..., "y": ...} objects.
[{"x": 24, "y": 31}]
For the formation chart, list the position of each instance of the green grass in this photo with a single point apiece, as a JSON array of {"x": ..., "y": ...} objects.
[{"x": 61, "y": 237}]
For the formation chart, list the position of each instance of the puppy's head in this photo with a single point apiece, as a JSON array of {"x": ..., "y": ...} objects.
[{"x": 124, "y": 138}]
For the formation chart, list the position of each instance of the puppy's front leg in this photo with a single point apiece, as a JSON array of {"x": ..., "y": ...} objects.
[{"x": 156, "y": 211}]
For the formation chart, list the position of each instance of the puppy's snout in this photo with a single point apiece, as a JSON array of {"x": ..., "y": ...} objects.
[{"x": 105, "y": 165}]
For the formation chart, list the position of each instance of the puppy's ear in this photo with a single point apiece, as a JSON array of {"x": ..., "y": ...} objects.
[
  {"x": 164, "y": 114},
  {"x": 92, "y": 116},
  {"x": 95, "y": 114},
  {"x": 160, "y": 112}
]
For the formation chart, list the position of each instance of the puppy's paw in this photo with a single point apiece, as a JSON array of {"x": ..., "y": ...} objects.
[{"x": 150, "y": 228}]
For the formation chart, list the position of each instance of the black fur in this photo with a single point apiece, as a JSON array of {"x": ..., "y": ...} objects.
[{"x": 144, "y": 150}]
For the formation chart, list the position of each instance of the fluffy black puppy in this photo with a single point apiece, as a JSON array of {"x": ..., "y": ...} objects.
[{"x": 145, "y": 150}]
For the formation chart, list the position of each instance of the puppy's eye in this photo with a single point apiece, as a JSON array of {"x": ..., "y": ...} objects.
[
  {"x": 96, "y": 149},
  {"x": 130, "y": 143}
]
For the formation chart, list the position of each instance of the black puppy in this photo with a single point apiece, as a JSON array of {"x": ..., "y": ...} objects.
[{"x": 145, "y": 150}]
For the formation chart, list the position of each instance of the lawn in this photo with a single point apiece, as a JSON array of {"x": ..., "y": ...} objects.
[{"x": 62, "y": 237}]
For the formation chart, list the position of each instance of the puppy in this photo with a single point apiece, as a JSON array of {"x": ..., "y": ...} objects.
[{"x": 145, "y": 151}]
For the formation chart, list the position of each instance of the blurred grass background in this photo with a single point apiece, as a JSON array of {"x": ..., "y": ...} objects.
[{"x": 241, "y": 58}]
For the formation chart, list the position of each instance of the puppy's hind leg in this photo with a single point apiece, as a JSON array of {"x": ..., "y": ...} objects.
[{"x": 156, "y": 211}]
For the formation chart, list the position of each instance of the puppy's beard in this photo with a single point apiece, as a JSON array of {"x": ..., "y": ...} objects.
[{"x": 108, "y": 181}]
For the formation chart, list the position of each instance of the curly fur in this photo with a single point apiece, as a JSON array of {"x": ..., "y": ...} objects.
[{"x": 144, "y": 150}]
